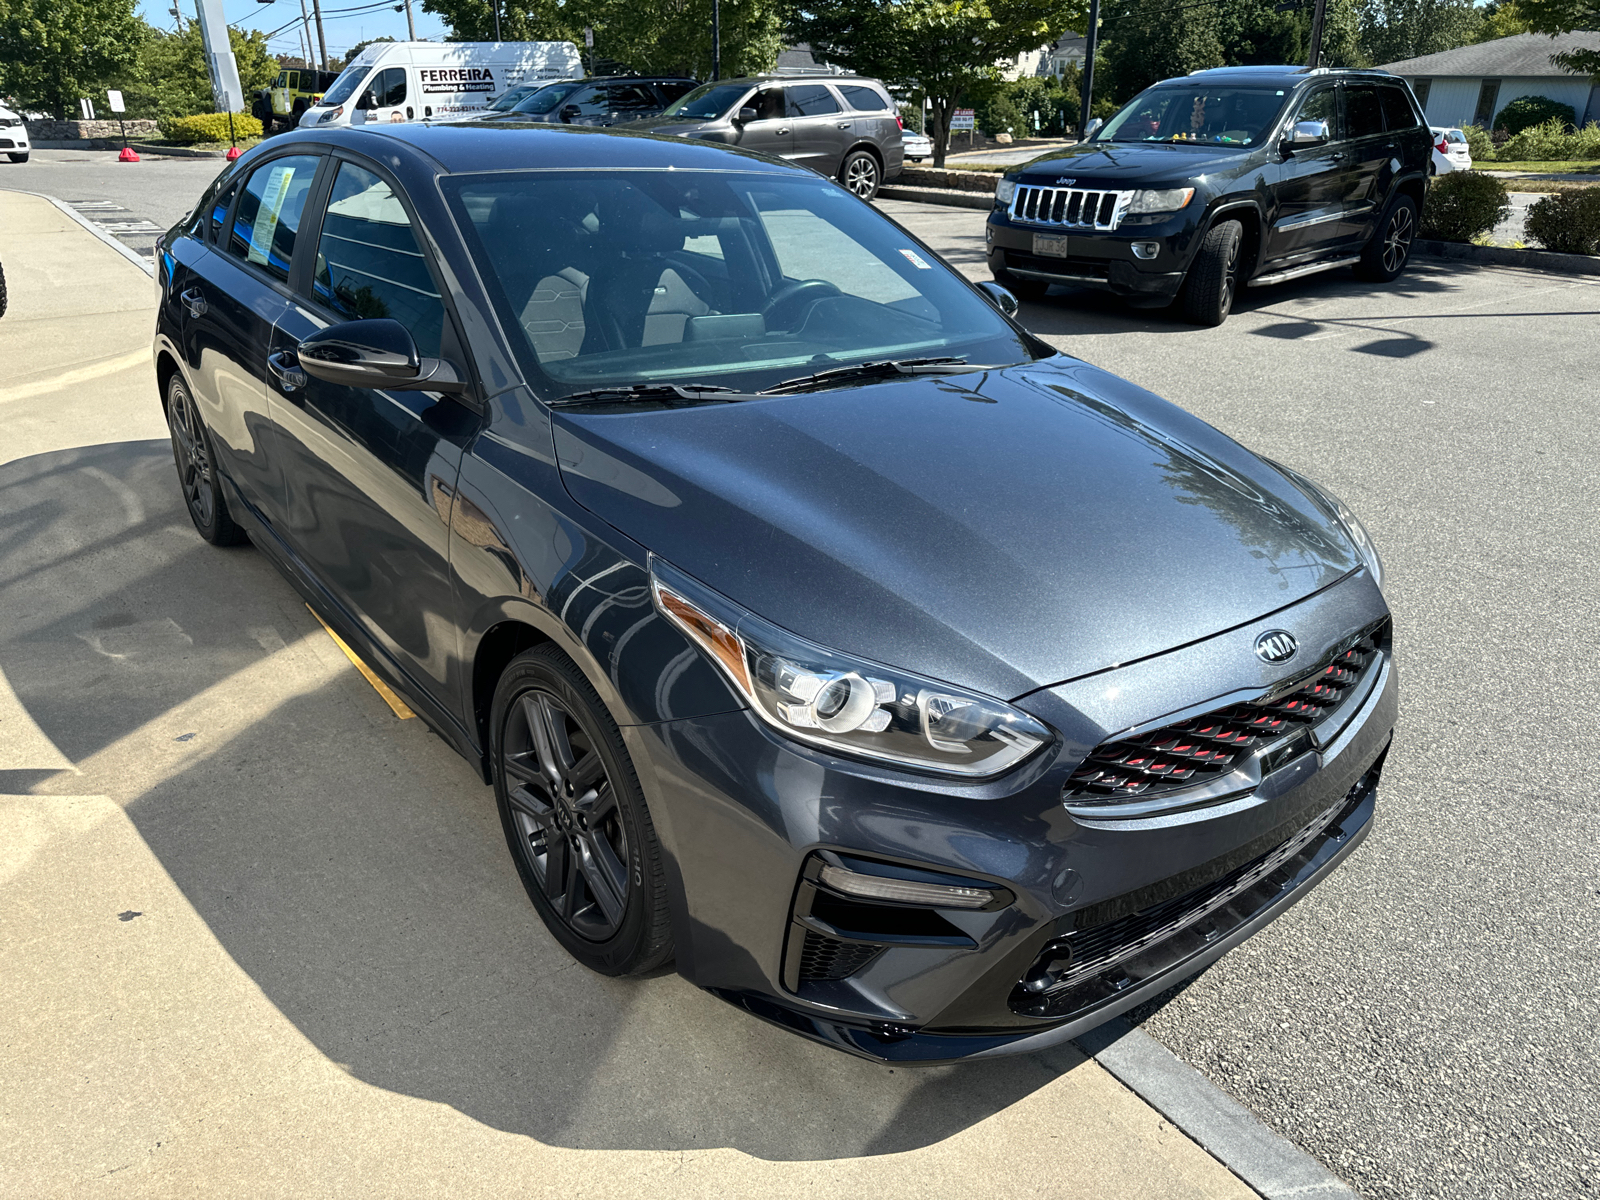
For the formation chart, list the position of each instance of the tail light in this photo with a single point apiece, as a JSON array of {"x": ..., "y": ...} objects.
[{"x": 898, "y": 121}]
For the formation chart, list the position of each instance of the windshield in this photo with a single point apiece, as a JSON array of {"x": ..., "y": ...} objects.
[
  {"x": 510, "y": 98},
  {"x": 345, "y": 86},
  {"x": 1224, "y": 116},
  {"x": 708, "y": 101},
  {"x": 546, "y": 98},
  {"x": 613, "y": 278}
]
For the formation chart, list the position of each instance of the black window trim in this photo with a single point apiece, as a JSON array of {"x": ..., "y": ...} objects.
[{"x": 297, "y": 150}]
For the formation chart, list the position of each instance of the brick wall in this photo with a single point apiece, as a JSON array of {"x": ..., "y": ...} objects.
[{"x": 72, "y": 131}]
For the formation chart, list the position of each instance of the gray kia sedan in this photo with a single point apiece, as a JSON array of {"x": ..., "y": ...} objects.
[
  {"x": 842, "y": 126},
  {"x": 913, "y": 685}
]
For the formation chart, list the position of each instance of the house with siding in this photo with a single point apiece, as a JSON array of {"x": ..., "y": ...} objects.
[{"x": 1471, "y": 84}]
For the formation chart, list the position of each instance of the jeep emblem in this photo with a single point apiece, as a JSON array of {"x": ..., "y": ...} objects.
[
  {"x": 1276, "y": 646},
  {"x": 1064, "y": 181}
]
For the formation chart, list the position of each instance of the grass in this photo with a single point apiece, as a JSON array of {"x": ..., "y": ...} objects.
[
  {"x": 244, "y": 143},
  {"x": 1571, "y": 166}
]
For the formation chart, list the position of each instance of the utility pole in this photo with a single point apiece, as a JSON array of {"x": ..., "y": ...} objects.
[
  {"x": 716, "y": 39},
  {"x": 1314, "y": 59},
  {"x": 322, "y": 42},
  {"x": 411, "y": 24},
  {"x": 495, "y": 4},
  {"x": 1089, "y": 43}
]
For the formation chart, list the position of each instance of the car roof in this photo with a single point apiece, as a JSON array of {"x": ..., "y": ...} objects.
[
  {"x": 1290, "y": 76},
  {"x": 475, "y": 146},
  {"x": 802, "y": 77}
]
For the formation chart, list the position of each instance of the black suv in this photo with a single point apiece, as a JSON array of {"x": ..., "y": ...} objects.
[
  {"x": 1250, "y": 175},
  {"x": 598, "y": 100}
]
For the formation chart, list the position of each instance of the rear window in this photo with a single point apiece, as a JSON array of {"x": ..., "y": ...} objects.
[
  {"x": 267, "y": 217},
  {"x": 1397, "y": 111},
  {"x": 864, "y": 99}
]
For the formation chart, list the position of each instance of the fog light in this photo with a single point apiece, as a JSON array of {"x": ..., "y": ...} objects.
[
  {"x": 1146, "y": 249},
  {"x": 903, "y": 891}
]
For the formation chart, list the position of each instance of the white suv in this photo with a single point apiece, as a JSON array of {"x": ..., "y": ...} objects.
[{"x": 13, "y": 136}]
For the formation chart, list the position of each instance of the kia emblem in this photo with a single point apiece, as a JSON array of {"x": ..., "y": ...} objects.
[{"x": 1276, "y": 646}]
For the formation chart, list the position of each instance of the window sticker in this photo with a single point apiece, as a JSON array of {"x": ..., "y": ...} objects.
[
  {"x": 267, "y": 215},
  {"x": 916, "y": 260}
]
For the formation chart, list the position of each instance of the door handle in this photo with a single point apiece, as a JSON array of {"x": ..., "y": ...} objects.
[
  {"x": 195, "y": 301},
  {"x": 785, "y": 129},
  {"x": 285, "y": 367},
  {"x": 1337, "y": 157},
  {"x": 844, "y": 124}
]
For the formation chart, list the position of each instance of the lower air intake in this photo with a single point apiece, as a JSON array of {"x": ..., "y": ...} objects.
[{"x": 825, "y": 958}]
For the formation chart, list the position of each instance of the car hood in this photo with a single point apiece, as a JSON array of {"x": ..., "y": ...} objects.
[
  {"x": 1132, "y": 162},
  {"x": 682, "y": 126},
  {"x": 1005, "y": 530}
]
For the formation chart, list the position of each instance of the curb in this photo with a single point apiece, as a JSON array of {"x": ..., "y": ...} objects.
[
  {"x": 1268, "y": 1162},
  {"x": 1505, "y": 256},
  {"x": 933, "y": 195},
  {"x": 131, "y": 255},
  {"x": 175, "y": 151}
]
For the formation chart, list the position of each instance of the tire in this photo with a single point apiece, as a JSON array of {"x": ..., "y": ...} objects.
[
  {"x": 1022, "y": 289},
  {"x": 3, "y": 300},
  {"x": 861, "y": 174},
  {"x": 17, "y": 158},
  {"x": 575, "y": 818},
  {"x": 197, "y": 475},
  {"x": 1389, "y": 250},
  {"x": 1214, "y": 275}
]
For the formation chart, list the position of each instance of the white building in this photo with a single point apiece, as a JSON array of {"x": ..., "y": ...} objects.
[
  {"x": 1471, "y": 84},
  {"x": 1046, "y": 60}
]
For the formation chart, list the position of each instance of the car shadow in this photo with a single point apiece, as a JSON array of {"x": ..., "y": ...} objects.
[{"x": 354, "y": 868}]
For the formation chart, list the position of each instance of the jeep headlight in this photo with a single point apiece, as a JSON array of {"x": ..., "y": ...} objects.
[
  {"x": 1005, "y": 191},
  {"x": 841, "y": 703},
  {"x": 1162, "y": 200}
]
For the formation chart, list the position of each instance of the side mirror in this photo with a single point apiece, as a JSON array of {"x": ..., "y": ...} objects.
[
  {"x": 375, "y": 353},
  {"x": 570, "y": 113},
  {"x": 369, "y": 100},
  {"x": 1306, "y": 134},
  {"x": 1093, "y": 127},
  {"x": 746, "y": 115},
  {"x": 999, "y": 297}
]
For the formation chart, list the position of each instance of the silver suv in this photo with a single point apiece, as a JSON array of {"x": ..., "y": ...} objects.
[{"x": 842, "y": 126}]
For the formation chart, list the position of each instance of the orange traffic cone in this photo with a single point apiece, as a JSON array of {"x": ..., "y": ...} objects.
[
  {"x": 233, "y": 153},
  {"x": 127, "y": 155}
]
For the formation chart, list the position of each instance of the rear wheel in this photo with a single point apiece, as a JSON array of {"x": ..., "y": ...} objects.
[
  {"x": 197, "y": 474},
  {"x": 1214, "y": 275},
  {"x": 860, "y": 174},
  {"x": 575, "y": 818},
  {"x": 1386, "y": 255}
]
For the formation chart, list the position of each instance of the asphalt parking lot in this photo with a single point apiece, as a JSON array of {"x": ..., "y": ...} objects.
[{"x": 1426, "y": 1022}]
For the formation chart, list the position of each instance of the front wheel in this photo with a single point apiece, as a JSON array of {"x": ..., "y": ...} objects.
[
  {"x": 860, "y": 174},
  {"x": 1214, "y": 275},
  {"x": 1386, "y": 255},
  {"x": 575, "y": 818},
  {"x": 197, "y": 473}
]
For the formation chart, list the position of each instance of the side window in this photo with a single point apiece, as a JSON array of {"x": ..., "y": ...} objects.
[
  {"x": 293, "y": 81},
  {"x": 1397, "y": 111},
  {"x": 671, "y": 89},
  {"x": 629, "y": 97},
  {"x": 809, "y": 100},
  {"x": 282, "y": 80},
  {"x": 863, "y": 99},
  {"x": 268, "y": 214},
  {"x": 390, "y": 87},
  {"x": 768, "y": 104},
  {"x": 1488, "y": 97},
  {"x": 1363, "y": 111},
  {"x": 591, "y": 101},
  {"x": 1322, "y": 105},
  {"x": 1420, "y": 89},
  {"x": 369, "y": 263}
]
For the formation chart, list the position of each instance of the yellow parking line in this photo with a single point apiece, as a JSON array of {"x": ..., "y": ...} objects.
[{"x": 378, "y": 685}]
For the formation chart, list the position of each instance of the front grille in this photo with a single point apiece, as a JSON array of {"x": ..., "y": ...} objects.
[
  {"x": 1070, "y": 208},
  {"x": 1205, "y": 748},
  {"x": 828, "y": 958},
  {"x": 1077, "y": 268}
]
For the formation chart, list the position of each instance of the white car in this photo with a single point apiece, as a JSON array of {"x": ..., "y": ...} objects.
[
  {"x": 1450, "y": 151},
  {"x": 918, "y": 146},
  {"x": 13, "y": 136}
]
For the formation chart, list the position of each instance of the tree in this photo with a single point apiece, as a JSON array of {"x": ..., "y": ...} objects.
[
  {"x": 169, "y": 77},
  {"x": 1150, "y": 40},
  {"x": 1394, "y": 30},
  {"x": 1501, "y": 18},
  {"x": 943, "y": 49},
  {"x": 1566, "y": 16},
  {"x": 52, "y": 52},
  {"x": 520, "y": 20}
]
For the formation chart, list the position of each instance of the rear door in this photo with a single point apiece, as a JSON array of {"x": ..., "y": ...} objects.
[
  {"x": 821, "y": 128},
  {"x": 230, "y": 298},
  {"x": 369, "y": 474},
  {"x": 1372, "y": 150},
  {"x": 1312, "y": 184}
]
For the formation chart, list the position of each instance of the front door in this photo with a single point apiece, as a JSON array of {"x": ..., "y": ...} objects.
[
  {"x": 770, "y": 132},
  {"x": 387, "y": 100},
  {"x": 368, "y": 473},
  {"x": 1312, "y": 184}
]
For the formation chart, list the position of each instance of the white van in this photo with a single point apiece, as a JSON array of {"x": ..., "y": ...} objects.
[{"x": 413, "y": 81}]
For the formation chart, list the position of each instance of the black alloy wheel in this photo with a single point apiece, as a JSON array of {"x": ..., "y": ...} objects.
[
  {"x": 1386, "y": 255},
  {"x": 1208, "y": 293},
  {"x": 575, "y": 818},
  {"x": 197, "y": 477},
  {"x": 860, "y": 174}
]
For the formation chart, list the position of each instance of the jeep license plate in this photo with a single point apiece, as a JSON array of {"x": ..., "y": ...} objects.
[{"x": 1053, "y": 244}]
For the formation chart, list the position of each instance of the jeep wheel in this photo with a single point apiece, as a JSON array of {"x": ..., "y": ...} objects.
[
  {"x": 1214, "y": 276},
  {"x": 1386, "y": 255}
]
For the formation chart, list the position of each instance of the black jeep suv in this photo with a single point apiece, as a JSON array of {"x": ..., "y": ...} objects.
[{"x": 1239, "y": 175}]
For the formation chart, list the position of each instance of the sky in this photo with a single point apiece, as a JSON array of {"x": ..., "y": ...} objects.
[{"x": 343, "y": 29}]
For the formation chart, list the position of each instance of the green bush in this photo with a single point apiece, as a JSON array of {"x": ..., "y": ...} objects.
[
  {"x": 1480, "y": 142},
  {"x": 1567, "y": 222},
  {"x": 1462, "y": 205},
  {"x": 1527, "y": 111},
  {"x": 210, "y": 127}
]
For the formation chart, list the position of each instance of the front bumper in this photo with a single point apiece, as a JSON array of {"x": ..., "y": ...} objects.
[
  {"x": 1103, "y": 259},
  {"x": 745, "y": 815}
]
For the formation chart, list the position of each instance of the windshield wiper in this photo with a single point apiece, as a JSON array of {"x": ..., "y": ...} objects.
[
  {"x": 888, "y": 368},
  {"x": 659, "y": 393}
]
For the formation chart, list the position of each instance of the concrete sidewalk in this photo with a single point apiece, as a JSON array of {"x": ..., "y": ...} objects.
[{"x": 259, "y": 936}]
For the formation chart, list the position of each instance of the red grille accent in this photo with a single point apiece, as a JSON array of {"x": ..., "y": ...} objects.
[{"x": 1205, "y": 748}]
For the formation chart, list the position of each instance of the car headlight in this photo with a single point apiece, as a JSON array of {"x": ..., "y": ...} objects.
[
  {"x": 1005, "y": 190},
  {"x": 332, "y": 114},
  {"x": 1160, "y": 201},
  {"x": 846, "y": 704},
  {"x": 1341, "y": 512}
]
